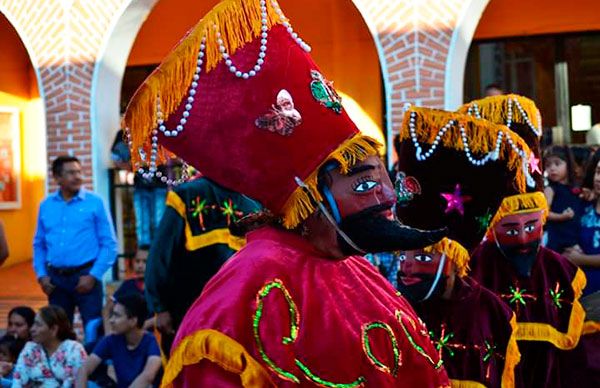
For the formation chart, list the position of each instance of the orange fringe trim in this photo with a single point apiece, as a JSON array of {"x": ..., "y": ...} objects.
[
  {"x": 481, "y": 137},
  {"x": 216, "y": 236},
  {"x": 238, "y": 21},
  {"x": 301, "y": 203},
  {"x": 495, "y": 109},
  {"x": 455, "y": 252},
  {"x": 220, "y": 349},
  {"x": 512, "y": 356},
  {"x": 528, "y": 331},
  {"x": 516, "y": 204}
]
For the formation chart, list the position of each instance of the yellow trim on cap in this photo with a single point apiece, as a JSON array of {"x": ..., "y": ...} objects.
[
  {"x": 495, "y": 109},
  {"x": 301, "y": 203},
  {"x": 222, "y": 350},
  {"x": 530, "y": 331},
  {"x": 455, "y": 252},
  {"x": 216, "y": 236},
  {"x": 481, "y": 135},
  {"x": 519, "y": 204}
]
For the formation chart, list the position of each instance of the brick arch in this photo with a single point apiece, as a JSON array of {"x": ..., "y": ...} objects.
[
  {"x": 13, "y": 11},
  {"x": 415, "y": 38},
  {"x": 63, "y": 38}
]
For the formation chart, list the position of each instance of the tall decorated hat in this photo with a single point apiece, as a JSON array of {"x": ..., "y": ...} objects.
[
  {"x": 240, "y": 99},
  {"x": 521, "y": 115},
  {"x": 462, "y": 166}
]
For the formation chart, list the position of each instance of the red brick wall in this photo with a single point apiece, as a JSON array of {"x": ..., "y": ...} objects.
[
  {"x": 64, "y": 38},
  {"x": 415, "y": 37}
]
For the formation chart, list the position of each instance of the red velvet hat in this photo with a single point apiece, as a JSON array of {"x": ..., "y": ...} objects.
[
  {"x": 521, "y": 115},
  {"x": 464, "y": 167},
  {"x": 240, "y": 99}
]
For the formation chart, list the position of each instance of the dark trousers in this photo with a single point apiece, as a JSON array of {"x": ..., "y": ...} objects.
[{"x": 65, "y": 296}]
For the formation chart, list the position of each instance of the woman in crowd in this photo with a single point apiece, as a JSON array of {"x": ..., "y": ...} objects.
[
  {"x": 20, "y": 320},
  {"x": 53, "y": 357},
  {"x": 586, "y": 253}
]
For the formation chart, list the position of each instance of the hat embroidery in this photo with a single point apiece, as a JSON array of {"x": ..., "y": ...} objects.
[
  {"x": 406, "y": 188},
  {"x": 323, "y": 91},
  {"x": 283, "y": 117},
  {"x": 455, "y": 200}
]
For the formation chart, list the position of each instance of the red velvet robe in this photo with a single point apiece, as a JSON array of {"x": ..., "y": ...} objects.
[
  {"x": 549, "y": 315},
  {"x": 280, "y": 314},
  {"x": 474, "y": 333}
]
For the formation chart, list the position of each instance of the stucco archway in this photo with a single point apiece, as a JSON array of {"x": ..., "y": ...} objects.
[{"x": 459, "y": 49}]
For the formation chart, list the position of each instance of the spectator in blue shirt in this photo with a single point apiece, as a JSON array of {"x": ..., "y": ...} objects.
[
  {"x": 133, "y": 351},
  {"x": 74, "y": 244}
]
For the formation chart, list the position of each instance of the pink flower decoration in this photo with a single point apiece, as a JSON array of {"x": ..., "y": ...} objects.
[{"x": 534, "y": 164}]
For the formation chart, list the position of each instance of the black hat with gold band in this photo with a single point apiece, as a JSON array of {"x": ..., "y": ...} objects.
[{"x": 464, "y": 167}]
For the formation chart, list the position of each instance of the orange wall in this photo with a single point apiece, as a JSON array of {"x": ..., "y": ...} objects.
[
  {"x": 505, "y": 18},
  {"x": 18, "y": 88},
  {"x": 342, "y": 44}
]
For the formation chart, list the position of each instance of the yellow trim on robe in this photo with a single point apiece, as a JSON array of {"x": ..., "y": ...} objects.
[
  {"x": 590, "y": 327},
  {"x": 216, "y": 236},
  {"x": 529, "y": 331},
  {"x": 512, "y": 356},
  {"x": 220, "y": 349},
  {"x": 465, "y": 384}
]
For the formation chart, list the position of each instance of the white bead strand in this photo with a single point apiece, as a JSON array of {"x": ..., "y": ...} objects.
[
  {"x": 264, "y": 27},
  {"x": 189, "y": 99},
  {"x": 289, "y": 28}
]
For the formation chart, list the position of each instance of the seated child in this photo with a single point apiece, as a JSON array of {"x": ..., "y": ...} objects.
[
  {"x": 10, "y": 347},
  {"x": 133, "y": 351}
]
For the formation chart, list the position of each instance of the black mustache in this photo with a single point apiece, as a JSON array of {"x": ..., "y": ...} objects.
[{"x": 374, "y": 233}]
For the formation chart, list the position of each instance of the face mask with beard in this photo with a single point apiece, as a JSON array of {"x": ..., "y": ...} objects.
[
  {"x": 521, "y": 256},
  {"x": 374, "y": 233},
  {"x": 418, "y": 292}
]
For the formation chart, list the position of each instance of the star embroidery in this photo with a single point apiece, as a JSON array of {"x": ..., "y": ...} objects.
[
  {"x": 534, "y": 164},
  {"x": 556, "y": 295},
  {"x": 198, "y": 209},
  {"x": 484, "y": 221},
  {"x": 455, "y": 201}
]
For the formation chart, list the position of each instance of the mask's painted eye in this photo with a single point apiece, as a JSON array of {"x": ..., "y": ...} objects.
[
  {"x": 365, "y": 186},
  {"x": 423, "y": 258},
  {"x": 529, "y": 228},
  {"x": 512, "y": 232},
  {"x": 402, "y": 257}
]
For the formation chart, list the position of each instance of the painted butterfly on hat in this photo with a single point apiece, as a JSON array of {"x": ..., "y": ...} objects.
[{"x": 283, "y": 117}]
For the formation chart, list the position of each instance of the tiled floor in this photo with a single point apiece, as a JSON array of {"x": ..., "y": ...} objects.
[{"x": 18, "y": 286}]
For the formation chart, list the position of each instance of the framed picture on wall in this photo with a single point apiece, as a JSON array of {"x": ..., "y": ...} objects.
[{"x": 10, "y": 159}]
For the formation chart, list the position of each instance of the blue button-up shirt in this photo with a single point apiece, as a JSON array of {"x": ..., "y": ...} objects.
[{"x": 70, "y": 234}]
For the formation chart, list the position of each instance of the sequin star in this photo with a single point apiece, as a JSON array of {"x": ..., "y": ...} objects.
[
  {"x": 489, "y": 351},
  {"x": 484, "y": 221},
  {"x": 442, "y": 343},
  {"x": 199, "y": 208},
  {"x": 556, "y": 295},
  {"x": 455, "y": 201},
  {"x": 229, "y": 210},
  {"x": 534, "y": 164}
]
